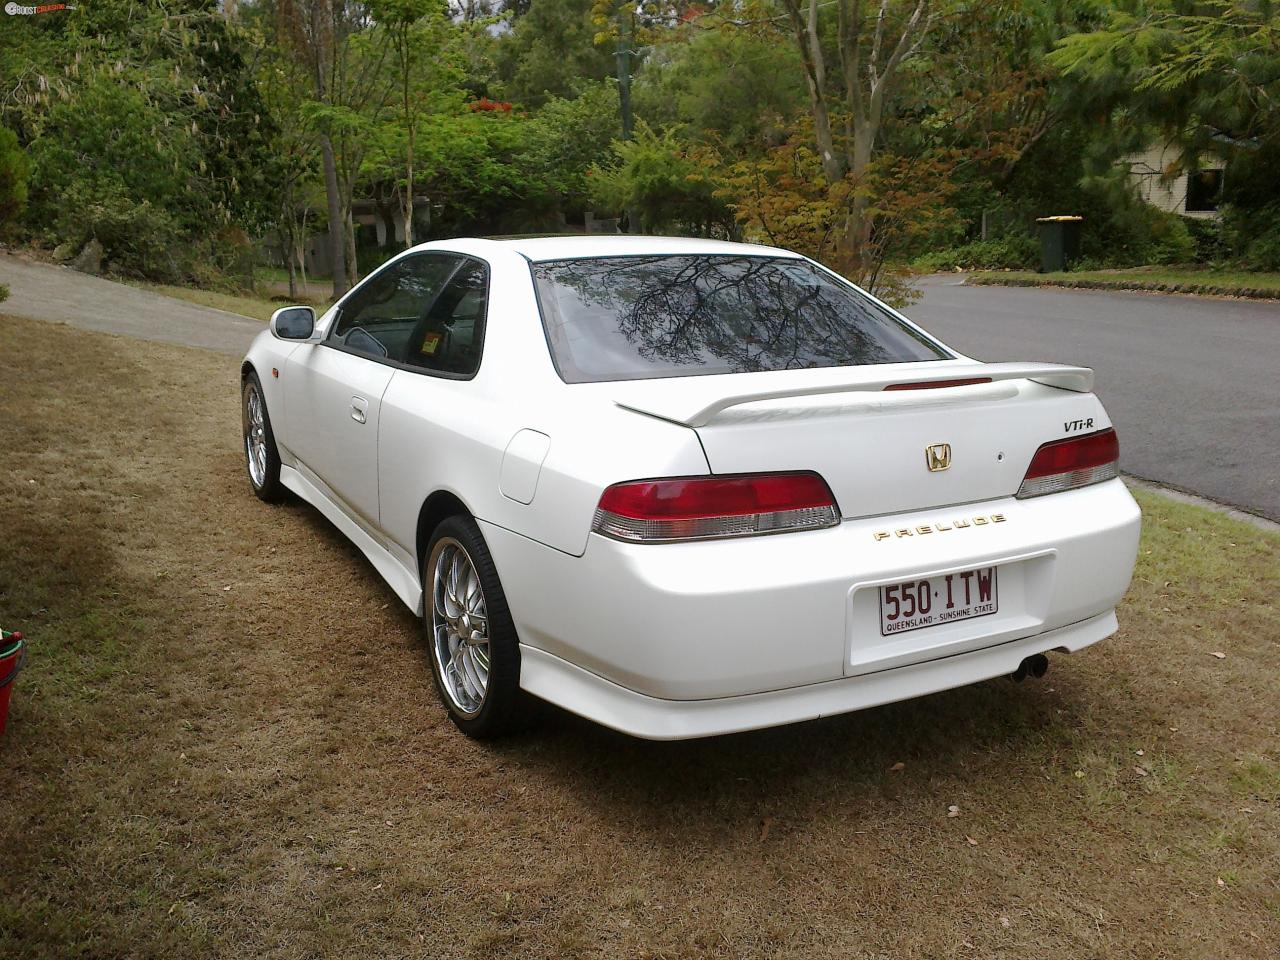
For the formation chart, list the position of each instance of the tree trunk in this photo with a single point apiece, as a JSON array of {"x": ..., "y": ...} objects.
[
  {"x": 349, "y": 233},
  {"x": 337, "y": 252},
  {"x": 293, "y": 271},
  {"x": 300, "y": 252},
  {"x": 408, "y": 125},
  {"x": 407, "y": 212},
  {"x": 857, "y": 235},
  {"x": 809, "y": 42}
]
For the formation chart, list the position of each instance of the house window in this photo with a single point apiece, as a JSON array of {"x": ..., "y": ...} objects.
[{"x": 1204, "y": 187}]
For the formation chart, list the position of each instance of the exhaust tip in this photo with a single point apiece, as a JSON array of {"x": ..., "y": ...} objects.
[{"x": 1036, "y": 665}]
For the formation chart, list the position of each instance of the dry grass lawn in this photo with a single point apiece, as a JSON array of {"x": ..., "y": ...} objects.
[{"x": 227, "y": 745}]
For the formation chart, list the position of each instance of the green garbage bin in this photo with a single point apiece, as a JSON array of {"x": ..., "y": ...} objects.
[{"x": 1059, "y": 242}]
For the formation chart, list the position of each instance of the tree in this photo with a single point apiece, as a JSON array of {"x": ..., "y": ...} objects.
[
  {"x": 416, "y": 32},
  {"x": 669, "y": 187},
  {"x": 870, "y": 54},
  {"x": 144, "y": 129},
  {"x": 550, "y": 50},
  {"x": 566, "y": 138},
  {"x": 734, "y": 88},
  {"x": 1204, "y": 78},
  {"x": 345, "y": 59},
  {"x": 285, "y": 87}
]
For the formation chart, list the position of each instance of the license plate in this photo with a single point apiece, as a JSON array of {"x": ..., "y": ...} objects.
[{"x": 932, "y": 601}]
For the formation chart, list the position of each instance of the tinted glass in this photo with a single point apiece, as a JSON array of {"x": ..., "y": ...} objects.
[
  {"x": 449, "y": 336},
  {"x": 627, "y": 318},
  {"x": 380, "y": 318}
]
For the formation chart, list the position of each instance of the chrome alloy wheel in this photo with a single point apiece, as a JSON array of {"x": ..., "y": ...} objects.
[
  {"x": 459, "y": 627},
  {"x": 255, "y": 436}
]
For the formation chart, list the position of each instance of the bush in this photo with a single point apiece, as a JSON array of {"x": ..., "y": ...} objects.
[
  {"x": 13, "y": 177},
  {"x": 1011, "y": 252},
  {"x": 1209, "y": 239},
  {"x": 4, "y": 292},
  {"x": 137, "y": 237},
  {"x": 1254, "y": 234},
  {"x": 670, "y": 188},
  {"x": 1168, "y": 240}
]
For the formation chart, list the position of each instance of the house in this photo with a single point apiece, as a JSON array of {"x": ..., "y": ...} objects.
[{"x": 1191, "y": 193}]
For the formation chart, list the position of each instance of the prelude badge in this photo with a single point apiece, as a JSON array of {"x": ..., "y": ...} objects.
[
  {"x": 939, "y": 526},
  {"x": 937, "y": 457}
]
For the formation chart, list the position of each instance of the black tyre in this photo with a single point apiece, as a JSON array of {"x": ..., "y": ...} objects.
[
  {"x": 475, "y": 655},
  {"x": 262, "y": 459}
]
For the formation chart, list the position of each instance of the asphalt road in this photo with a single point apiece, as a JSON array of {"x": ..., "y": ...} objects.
[
  {"x": 1191, "y": 383},
  {"x": 43, "y": 292}
]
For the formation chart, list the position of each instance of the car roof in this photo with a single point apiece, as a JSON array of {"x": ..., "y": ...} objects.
[{"x": 568, "y": 247}]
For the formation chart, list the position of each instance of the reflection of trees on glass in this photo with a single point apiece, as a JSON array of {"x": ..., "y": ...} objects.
[
  {"x": 402, "y": 291},
  {"x": 717, "y": 314}
]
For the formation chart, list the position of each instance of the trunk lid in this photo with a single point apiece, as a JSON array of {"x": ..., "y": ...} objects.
[{"x": 872, "y": 445}]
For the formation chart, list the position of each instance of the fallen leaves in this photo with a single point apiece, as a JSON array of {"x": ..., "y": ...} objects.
[
  {"x": 1218, "y": 655},
  {"x": 898, "y": 767}
]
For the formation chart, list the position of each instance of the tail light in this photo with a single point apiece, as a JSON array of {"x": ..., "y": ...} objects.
[
  {"x": 703, "y": 508},
  {"x": 1074, "y": 462}
]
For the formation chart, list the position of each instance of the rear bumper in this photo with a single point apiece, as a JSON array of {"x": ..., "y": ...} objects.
[
  {"x": 632, "y": 713},
  {"x": 753, "y": 617}
]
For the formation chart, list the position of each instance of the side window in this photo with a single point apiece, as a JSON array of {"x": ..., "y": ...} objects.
[
  {"x": 380, "y": 317},
  {"x": 450, "y": 337}
]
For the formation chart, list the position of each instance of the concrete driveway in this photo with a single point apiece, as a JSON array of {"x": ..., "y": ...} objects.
[
  {"x": 44, "y": 292},
  {"x": 1192, "y": 383}
]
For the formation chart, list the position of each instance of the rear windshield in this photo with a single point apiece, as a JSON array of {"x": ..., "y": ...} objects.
[{"x": 632, "y": 318}]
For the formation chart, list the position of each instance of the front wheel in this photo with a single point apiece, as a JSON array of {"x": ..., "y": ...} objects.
[
  {"x": 262, "y": 459},
  {"x": 475, "y": 655}
]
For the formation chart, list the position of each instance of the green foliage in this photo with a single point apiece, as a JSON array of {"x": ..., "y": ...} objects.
[
  {"x": 1011, "y": 252},
  {"x": 13, "y": 178},
  {"x": 122, "y": 105},
  {"x": 1202, "y": 77},
  {"x": 667, "y": 186},
  {"x": 1254, "y": 233},
  {"x": 4, "y": 292},
  {"x": 550, "y": 51},
  {"x": 1251, "y": 207},
  {"x": 1122, "y": 230},
  {"x": 174, "y": 131},
  {"x": 732, "y": 87},
  {"x": 566, "y": 138},
  {"x": 473, "y": 170}
]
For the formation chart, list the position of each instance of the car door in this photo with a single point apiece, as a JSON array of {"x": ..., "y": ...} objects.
[
  {"x": 435, "y": 424},
  {"x": 334, "y": 388}
]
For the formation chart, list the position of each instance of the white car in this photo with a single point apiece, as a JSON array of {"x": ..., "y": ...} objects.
[{"x": 684, "y": 487}]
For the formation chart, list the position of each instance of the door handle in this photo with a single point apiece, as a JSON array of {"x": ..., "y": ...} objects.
[{"x": 359, "y": 408}]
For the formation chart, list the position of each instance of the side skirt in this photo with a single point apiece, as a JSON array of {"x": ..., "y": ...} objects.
[{"x": 401, "y": 579}]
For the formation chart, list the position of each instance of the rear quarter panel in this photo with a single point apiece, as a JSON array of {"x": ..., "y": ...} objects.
[{"x": 450, "y": 435}]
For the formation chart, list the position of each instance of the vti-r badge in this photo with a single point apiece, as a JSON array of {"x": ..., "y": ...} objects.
[{"x": 937, "y": 457}]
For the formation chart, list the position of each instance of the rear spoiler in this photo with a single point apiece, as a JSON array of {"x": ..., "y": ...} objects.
[{"x": 694, "y": 405}]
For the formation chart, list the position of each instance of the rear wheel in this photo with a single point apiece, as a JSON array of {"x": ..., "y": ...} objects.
[
  {"x": 261, "y": 457},
  {"x": 475, "y": 655}
]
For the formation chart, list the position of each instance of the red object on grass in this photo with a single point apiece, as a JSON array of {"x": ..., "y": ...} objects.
[{"x": 14, "y": 653}]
